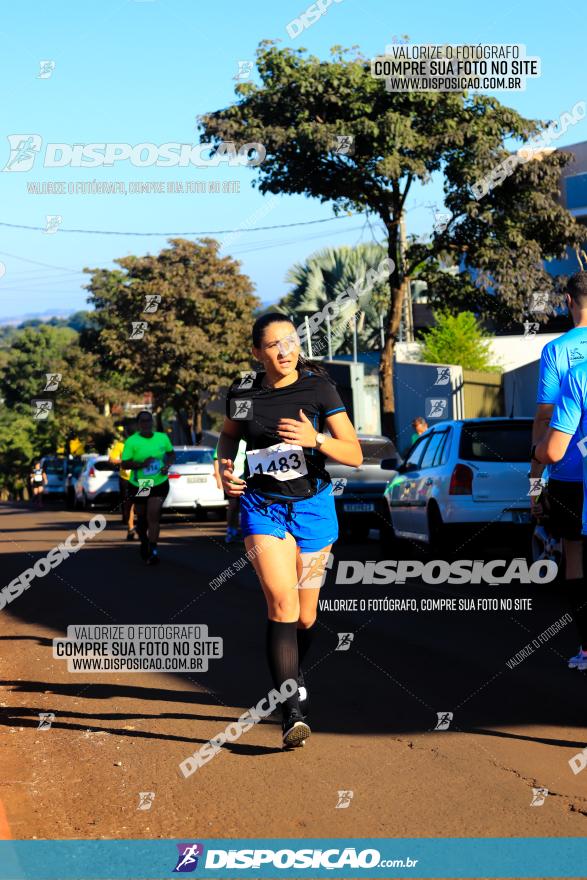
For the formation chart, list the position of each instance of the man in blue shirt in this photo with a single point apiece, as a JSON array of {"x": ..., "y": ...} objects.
[
  {"x": 564, "y": 445},
  {"x": 565, "y": 478}
]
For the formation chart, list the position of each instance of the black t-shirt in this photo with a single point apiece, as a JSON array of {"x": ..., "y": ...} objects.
[{"x": 258, "y": 410}]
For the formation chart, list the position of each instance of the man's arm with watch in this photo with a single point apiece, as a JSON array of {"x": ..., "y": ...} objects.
[{"x": 342, "y": 446}]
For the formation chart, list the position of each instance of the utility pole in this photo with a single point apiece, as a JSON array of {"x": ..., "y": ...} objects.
[{"x": 407, "y": 310}]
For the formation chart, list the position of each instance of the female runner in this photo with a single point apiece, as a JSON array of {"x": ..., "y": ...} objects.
[{"x": 288, "y": 517}]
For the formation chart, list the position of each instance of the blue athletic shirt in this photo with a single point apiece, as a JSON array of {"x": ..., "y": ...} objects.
[
  {"x": 570, "y": 417},
  {"x": 558, "y": 358}
]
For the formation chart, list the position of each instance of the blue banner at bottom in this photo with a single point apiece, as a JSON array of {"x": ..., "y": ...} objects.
[{"x": 284, "y": 858}]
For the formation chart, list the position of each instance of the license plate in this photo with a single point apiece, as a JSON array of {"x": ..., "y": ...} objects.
[
  {"x": 358, "y": 507},
  {"x": 520, "y": 516},
  {"x": 197, "y": 479}
]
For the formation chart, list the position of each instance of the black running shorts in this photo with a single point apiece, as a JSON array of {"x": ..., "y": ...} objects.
[
  {"x": 565, "y": 499},
  {"x": 159, "y": 491}
]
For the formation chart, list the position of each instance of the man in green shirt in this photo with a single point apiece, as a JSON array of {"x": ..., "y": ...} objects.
[{"x": 148, "y": 455}]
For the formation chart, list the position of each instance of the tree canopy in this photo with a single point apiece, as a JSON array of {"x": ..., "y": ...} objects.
[{"x": 302, "y": 107}]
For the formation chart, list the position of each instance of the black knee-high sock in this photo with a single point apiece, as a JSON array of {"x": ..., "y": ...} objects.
[
  {"x": 282, "y": 656},
  {"x": 576, "y": 596},
  {"x": 305, "y": 639}
]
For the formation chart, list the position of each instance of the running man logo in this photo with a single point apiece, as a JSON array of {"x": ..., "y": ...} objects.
[
  {"x": 145, "y": 486},
  {"x": 530, "y": 328},
  {"x": 47, "y": 68},
  {"x": 436, "y": 407},
  {"x": 539, "y": 302},
  {"x": 241, "y": 409},
  {"x": 314, "y": 571},
  {"x": 152, "y": 302},
  {"x": 146, "y": 799},
  {"x": 139, "y": 328},
  {"x": 246, "y": 380},
  {"x": 288, "y": 344},
  {"x": 46, "y": 719},
  {"x": 441, "y": 221},
  {"x": 42, "y": 409},
  {"x": 444, "y": 719},
  {"x": 344, "y": 800},
  {"x": 53, "y": 222},
  {"x": 344, "y": 641},
  {"x": 536, "y": 486},
  {"x": 344, "y": 145},
  {"x": 189, "y": 854},
  {"x": 539, "y": 795},
  {"x": 442, "y": 376},
  {"x": 23, "y": 151},
  {"x": 244, "y": 71},
  {"x": 53, "y": 380},
  {"x": 337, "y": 487}
]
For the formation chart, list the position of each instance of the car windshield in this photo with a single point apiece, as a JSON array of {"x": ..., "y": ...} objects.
[
  {"x": 506, "y": 441},
  {"x": 193, "y": 456},
  {"x": 376, "y": 449}
]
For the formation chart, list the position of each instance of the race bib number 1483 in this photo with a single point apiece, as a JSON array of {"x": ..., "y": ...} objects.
[{"x": 282, "y": 461}]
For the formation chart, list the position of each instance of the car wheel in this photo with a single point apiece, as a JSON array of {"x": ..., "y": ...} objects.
[
  {"x": 438, "y": 544},
  {"x": 387, "y": 535}
]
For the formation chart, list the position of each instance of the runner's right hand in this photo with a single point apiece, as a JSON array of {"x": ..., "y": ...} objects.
[{"x": 232, "y": 485}]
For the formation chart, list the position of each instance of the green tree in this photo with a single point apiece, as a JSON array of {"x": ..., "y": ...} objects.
[
  {"x": 196, "y": 339},
  {"x": 321, "y": 278},
  {"x": 304, "y": 104},
  {"x": 457, "y": 339},
  {"x": 81, "y": 401}
]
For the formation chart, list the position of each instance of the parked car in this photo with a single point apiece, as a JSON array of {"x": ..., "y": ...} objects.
[
  {"x": 192, "y": 484},
  {"x": 461, "y": 477},
  {"x": 74, "y": 468},
  {"x": 97, "y": 481},
  {"x": 56, "y": 469},
  {"x": 360, "y": 502}
]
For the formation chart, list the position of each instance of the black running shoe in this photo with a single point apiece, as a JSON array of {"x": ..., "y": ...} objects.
[
  {"x": 153, "y": 558},
  {"x": 303, "y": 696},
  {"x": 131, "y": 535},
  {"x": 295, "y": 731}
]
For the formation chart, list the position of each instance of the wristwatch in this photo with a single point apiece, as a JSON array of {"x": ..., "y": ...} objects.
[{"x": 320, "y": 439}]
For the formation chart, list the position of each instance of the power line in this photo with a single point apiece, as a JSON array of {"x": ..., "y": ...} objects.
[{"x": 201, "y": 232}]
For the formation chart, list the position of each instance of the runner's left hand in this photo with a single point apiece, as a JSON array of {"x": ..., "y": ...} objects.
[{"x": 301, "y": 432}]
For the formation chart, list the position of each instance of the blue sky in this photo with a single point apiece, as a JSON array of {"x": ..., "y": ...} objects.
[{"x": 135, "y": 71}]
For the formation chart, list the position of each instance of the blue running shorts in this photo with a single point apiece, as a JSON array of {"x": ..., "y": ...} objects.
[{"x": 311, "y": 521}]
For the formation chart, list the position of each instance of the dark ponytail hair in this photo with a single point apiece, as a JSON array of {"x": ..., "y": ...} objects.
[{"x": 273, "y": 318}]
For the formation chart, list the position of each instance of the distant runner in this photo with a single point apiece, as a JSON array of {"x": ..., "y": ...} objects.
[
  {"x": 37, "y": 482},
  {"x": 148, "y": 455}
]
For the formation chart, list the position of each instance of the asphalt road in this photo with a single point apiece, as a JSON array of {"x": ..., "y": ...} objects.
[{"x": 374, "y": 706}]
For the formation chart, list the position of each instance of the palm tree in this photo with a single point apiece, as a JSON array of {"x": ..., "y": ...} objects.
[{"x": 325, "y": 275}]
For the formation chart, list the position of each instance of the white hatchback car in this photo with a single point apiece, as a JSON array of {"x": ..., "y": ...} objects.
[
  {"x": 98, "y": 481},
  {"x": 460, "y": 477},
  {"x": 192, "y": 485}
]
